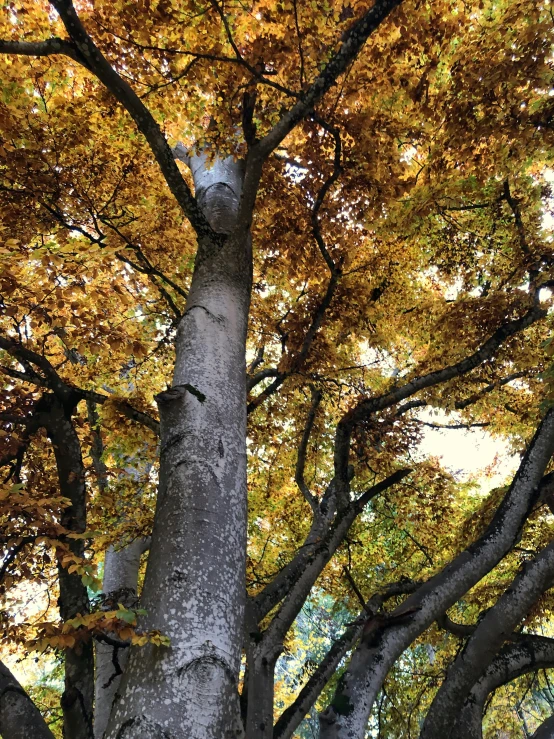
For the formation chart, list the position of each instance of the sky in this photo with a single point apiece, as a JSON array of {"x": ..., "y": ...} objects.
[{"x": 469, "y": 453}]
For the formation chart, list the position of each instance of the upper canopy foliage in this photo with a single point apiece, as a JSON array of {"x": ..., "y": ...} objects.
[{"x": 396, "y": 229}]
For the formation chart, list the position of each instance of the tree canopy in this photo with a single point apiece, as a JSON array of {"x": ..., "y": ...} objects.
[{"x": 249, "y": 253}]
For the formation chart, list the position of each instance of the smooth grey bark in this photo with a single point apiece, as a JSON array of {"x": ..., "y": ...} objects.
[
  {"x": 495, "y": 627},
  {"x": 194, "y": 588},
  {"x": 529, "y": 654},
  {"x": 347, "y": 715},
  {"x": 120, "y": 585},
  {"x": 545, "y": 730},
  {"x": 19, "y": 717},
  {"x": 121, "y": 568}
]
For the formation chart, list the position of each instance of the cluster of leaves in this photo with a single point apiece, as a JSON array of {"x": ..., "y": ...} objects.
[{"x": 119, "y": 624}]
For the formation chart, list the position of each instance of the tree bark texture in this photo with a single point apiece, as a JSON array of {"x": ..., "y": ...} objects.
[{"x": 194, "y": 588}]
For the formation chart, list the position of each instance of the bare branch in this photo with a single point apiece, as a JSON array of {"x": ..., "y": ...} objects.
[
  {"x": 41, "y": 48},
  {"x": 290, "y": 718},
  {"x": 371, "y": 405}
]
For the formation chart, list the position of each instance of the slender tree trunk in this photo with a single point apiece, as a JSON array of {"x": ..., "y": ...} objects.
[
  {"x": 77, "y": 698},
  {"x": 121, "y": 568},
  {"x": 194, "y": 589},
  {"x": 19, "y": 717},
  {"x": 261, "y": 683}
]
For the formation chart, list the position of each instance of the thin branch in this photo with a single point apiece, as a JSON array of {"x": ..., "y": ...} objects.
[
  {"x": 85, "y": 52},
  {"x": 302, "y": 452},
  {"x": 293, "y": 715},
  {"x": 466, "y": 426},
  {"x": 371, "y": 405},
  {"x": 352, "y": 42}
]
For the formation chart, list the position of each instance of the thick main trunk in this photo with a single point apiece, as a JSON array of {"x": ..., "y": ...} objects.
[{"x": 194, "y": 587}]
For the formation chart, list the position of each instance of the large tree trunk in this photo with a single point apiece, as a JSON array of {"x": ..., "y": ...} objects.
[{"x": 194, "y": 588}]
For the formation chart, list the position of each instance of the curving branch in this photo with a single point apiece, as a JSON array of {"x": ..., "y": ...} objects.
[
  {"x": 529, "y": 654},
  {"x": 368, "y": 406},
  {"x": 83, "y": 50},
  {"x": 19, "y": 717},
  {"x": 374, "y": 657},
  {"x": 496, "y": 626},
  {"x": 291, "y": 717},
  {"x": 302, "y": 452}
]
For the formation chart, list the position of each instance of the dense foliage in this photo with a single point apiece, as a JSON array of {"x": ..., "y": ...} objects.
[{"x": 402, "y": 265}]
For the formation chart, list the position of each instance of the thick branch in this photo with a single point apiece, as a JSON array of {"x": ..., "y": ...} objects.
[
  {"x": 290, "y": 719},
  {"x": 353, "y": 41},
  {"x": 295, "y": 582},
  {"x": 77, "y": 698},
  {"x": 496, "y": 626},
  {"x": 41, "y": 48},
  {"x": 19, "y": 717}
]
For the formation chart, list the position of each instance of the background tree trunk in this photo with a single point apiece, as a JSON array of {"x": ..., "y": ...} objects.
[
  {"x": 77, "y": 698},
  {"x": 121, "y": 567}
]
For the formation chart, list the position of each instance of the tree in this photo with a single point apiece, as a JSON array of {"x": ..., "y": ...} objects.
[{"x": 325, "y": 218}]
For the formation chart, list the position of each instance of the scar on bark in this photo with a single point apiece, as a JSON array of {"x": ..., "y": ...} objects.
[{"x": 117, "y": 667}]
